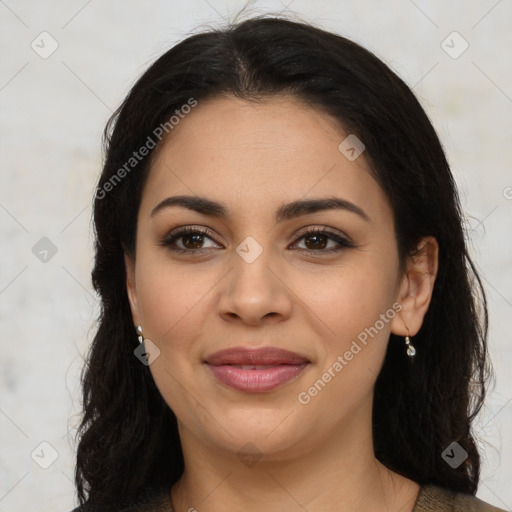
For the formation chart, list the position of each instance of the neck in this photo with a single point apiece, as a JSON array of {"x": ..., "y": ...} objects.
[{"x": 340, "y": 475}]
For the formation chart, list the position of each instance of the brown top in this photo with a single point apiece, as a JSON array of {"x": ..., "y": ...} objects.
[{"x": 431, "y": 498}]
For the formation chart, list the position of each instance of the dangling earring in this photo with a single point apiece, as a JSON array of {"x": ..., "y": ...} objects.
[
  {"x": 139, "y": 333},
  {"x": 410, "y": 349}
]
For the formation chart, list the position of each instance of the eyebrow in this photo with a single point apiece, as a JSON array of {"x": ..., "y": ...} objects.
[{"x": 287, "y": 211}]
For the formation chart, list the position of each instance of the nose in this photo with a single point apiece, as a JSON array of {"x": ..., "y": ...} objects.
[{"x": 255, "y": 292}]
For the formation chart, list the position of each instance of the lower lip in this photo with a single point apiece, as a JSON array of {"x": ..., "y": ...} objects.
[{"x": 256, "y": 381}]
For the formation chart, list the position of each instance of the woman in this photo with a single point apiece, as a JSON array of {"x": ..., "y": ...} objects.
[{"x": 290, "y": 318}]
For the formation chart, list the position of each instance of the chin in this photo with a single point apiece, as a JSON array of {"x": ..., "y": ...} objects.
[{"x": 274, "y": 433}]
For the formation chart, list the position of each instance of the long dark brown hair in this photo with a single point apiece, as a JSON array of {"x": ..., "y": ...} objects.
[{"x": 128, "y": 436}]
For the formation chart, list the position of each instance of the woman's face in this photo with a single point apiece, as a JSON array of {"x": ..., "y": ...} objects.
[{"x": 252, "y": 278}]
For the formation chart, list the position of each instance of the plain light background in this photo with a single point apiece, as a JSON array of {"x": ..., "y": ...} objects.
[{"x": 53, "y": 110}]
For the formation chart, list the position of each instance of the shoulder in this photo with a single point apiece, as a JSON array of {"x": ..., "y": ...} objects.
[
  {"x": 148, "y": 500},
  {"x": 438, "y": 499}
]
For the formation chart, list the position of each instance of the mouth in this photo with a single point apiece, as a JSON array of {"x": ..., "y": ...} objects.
[{"x": 254, "y": 370}]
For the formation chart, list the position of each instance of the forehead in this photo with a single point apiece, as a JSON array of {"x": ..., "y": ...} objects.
[{"x": 243, "y": 153}]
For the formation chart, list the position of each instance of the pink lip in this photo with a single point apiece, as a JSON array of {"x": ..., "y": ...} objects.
[{"x": 282, "y": 366}]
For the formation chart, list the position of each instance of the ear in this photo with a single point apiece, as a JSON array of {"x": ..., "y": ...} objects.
[
  {"x": 416, "y": 288},
  {"x": 129, "y": 263}
]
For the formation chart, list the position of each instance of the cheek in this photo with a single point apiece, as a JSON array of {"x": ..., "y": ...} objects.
[
  {"x": 350, "y": 303},
  {"x": 170, "y": 295},
  {"x": 174, "y": 305},
  {"x": 347, "y": 299},
  {"x": 351, "y": 356}
]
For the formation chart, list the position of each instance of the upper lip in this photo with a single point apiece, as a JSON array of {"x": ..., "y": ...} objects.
[{"x": 256, "y": 356}]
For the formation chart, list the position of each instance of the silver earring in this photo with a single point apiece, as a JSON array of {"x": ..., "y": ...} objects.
[
  {"x": 411, "y": 351},
  {"x": 139, "y": 333}
]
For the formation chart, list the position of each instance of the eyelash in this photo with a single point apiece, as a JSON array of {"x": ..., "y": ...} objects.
[{"x": 169, "y": 239}]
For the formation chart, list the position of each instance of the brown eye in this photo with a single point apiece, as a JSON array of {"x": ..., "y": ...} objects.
[
  {"x": 317, "y": 241},
  {"x": 191, "y": 240}
]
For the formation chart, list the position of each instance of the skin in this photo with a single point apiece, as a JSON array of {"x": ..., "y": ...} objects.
[{"x": 253, "y": 157}]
